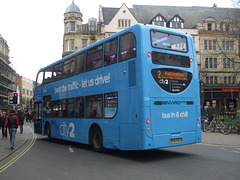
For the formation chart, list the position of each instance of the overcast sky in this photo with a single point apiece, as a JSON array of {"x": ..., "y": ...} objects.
[{"x": 34, "y": 29}]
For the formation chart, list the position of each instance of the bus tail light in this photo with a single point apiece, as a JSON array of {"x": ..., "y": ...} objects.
[
  {"x": 198, "y": 118},
  {"x": 148, "y": 121},
  {"x": 191, "y": 60},
  {"x": 149, "y": 54}
]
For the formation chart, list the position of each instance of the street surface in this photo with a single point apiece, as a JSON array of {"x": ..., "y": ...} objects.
[{"x": 43, "y": 159}]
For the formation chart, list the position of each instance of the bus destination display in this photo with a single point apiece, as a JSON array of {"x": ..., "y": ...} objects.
[{"x": 172, "y": 80}]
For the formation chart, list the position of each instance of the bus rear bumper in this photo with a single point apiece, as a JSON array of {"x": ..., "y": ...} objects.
[{"x": 176, "y": 139}]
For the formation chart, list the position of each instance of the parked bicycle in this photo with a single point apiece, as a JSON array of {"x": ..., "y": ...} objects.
[
  {"x": 210, "y": 126},
  {"x": 232, "y": 124}
]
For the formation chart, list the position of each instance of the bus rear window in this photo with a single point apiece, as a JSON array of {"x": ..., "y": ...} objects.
[
  {"x": 168, "y": 41},
  {"x": 170, "y": 59}
]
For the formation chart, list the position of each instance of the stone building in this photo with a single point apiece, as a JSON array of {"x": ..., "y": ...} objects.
[
  {"x": 76, "y": 34},
  {"x": 7, "y": 75},
  {"x": 26, "y": 92},
  {"x": 213, "y": 29}
]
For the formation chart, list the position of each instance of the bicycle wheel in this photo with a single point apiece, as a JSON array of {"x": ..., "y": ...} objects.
[
  {"x": 209, "y": 127},
  {"x": 226, "y": 128}
]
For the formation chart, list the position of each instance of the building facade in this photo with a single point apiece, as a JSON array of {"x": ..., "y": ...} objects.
[
  {"x": 214, "y": 31},
  {"x": 26, "y": 92},
  {"x": 76, "y": 34},
  {"x": 7, "y": 76}
]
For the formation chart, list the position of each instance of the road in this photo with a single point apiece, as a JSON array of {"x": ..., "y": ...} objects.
[{"x": 43, "y": 159}]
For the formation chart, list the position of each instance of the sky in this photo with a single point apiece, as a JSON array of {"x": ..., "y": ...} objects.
[{"x": 34, "y": 29}]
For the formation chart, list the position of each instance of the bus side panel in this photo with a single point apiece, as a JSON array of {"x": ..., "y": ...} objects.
[{"x": 129, "y": 136}]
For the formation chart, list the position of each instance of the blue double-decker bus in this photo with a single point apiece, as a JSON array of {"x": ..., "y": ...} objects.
[{"x": 135, "y": 90}]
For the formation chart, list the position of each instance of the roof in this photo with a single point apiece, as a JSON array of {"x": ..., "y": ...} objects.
[
  {"x": 191, "y": 15},
  {"x": 73, "y": 8}
]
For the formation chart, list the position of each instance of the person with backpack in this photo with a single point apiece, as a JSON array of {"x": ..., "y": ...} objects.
[{"x": 12, "y": 123}]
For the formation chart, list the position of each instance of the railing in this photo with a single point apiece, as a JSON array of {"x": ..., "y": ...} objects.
[{"x": 220, "y": 113}]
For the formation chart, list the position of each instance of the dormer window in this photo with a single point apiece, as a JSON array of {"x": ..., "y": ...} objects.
[
  {"x": 176, "y": 22},
  {"x": 209, "y": 26},
  {"x": 226, "y": 24},
  {"x": 159, "y": 20}
]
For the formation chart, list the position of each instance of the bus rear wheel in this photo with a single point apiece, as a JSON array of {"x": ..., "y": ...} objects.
[{"x": 97, "y": 140}]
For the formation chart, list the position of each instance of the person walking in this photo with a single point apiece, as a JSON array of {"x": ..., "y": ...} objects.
[
  {"x": 21, "y": 120},
  {"x": 12, "y": 122},
  {"x": 2, "y": 122}
]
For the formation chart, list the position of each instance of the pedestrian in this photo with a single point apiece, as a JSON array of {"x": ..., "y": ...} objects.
[
  {"x": 3, "y": 119},
  {"x": 21, "y": 120},
  {"x": 12, "y": 122}
]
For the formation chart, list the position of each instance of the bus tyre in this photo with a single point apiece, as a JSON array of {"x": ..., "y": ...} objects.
[{"x": 97, "y": 140}]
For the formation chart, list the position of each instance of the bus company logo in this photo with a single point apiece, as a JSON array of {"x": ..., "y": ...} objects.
[
  {"x": 173, "y": 102},
  {"x": 67, "y": 131}
]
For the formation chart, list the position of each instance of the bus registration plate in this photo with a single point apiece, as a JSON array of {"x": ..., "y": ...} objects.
[{"x": 175, "y": 140}]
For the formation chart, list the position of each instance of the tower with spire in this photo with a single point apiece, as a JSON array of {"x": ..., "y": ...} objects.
[{"x": 76, "y": 34}]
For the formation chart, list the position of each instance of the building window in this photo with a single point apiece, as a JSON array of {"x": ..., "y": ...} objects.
[
  {"x": 84, "y": 43},
  {"x": 233, "y": 63},
  {"x": 214, "y": 45},
  {"x": 234, "y": 80},
  {"x": 232, "y": 45},
  {"x": 210, "y": 63},
  {"x": 206, "y": 62},
  {"x": 225, "y": 80},
  {"x": 93, "y": 41},
  {"x": 72, "y": 26},
  {"x": 123, "y": 23},
  {"x": 209, "y": 26},
  {"x": 229, "y": 80},
  {"x": 205, "y": 44},
  {"x": 67, "y": 45},
  {"x": 207, "y": 80},
  {"x": 215, "y": 80},
  {"x": 210, "y": 45},
  {"x": 211, "y": 80},
  {"x": 72, "y": 44},
  {"x": 67, "y": 27},
  {"x": 224, "y": 63},
  {"x": 223, "y": 45},
  {"x": 228, "y": 64},
  {"x": 215, "y": 63}
]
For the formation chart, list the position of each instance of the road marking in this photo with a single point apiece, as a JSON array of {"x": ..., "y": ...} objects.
[
  {"x": 12, "y": 161},
  {"x": 70, "y": 149}
]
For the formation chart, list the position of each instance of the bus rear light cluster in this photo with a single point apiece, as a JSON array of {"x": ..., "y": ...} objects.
[
  {"x": 149, "y": 54},
  {"x": 148, "y": 121},
  {"x": 198, "y": 118},
  {"x": 191, "y": 60}
]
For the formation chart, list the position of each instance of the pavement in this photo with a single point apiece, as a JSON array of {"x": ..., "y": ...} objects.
[{"x": 214, "y": 138}]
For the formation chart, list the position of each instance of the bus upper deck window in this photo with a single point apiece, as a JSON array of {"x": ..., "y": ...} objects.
[
  {"x": 168, "y": 41},
  {"x": 40, "y": 78}
]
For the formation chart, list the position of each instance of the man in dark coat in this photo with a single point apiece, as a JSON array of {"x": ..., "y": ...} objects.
[
  {"x": 12, "y": 122},
  {"x": 21, "y": 121},
  {"x": 2, "y": 122}
]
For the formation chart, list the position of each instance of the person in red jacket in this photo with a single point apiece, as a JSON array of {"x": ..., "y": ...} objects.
[{"x": 12, "y": 123}]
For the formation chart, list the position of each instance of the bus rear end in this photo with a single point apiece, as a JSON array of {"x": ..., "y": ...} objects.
[{"x": 171, "y": 90}]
